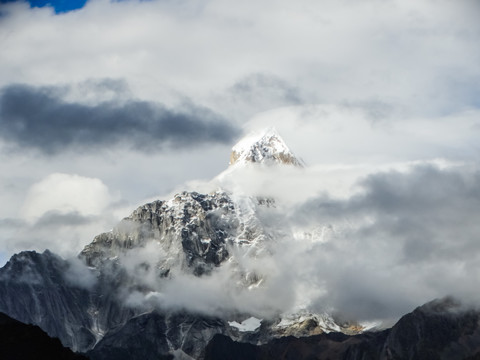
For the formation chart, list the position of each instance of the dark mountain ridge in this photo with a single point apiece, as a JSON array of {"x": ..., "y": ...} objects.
[
  {"x": 441, "y": 329},
  {"x": 29, "y": 342}
]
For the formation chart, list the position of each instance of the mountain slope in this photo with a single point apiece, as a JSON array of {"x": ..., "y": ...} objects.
[
  {"x": 35, "y": 288},
  {"x": 28, "y": 342},
  {"x": 441, "y": 329}
]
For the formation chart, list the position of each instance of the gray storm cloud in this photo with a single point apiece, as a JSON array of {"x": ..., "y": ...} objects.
[
  {"x": 38, "y": 118},
  {"x": 406, "y": 239}
]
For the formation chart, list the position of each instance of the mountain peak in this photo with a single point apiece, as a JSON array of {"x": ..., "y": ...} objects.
[{"x": 265, "y": 147}]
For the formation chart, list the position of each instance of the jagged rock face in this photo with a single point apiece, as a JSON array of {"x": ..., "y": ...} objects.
[
  {"x": 149, "y": 335},
  {"x": 194, "y": 231},
  {"x": 267, "y": 148},
  {"x": 33, "y": 290},
  {"x": 142, "y": 337}
]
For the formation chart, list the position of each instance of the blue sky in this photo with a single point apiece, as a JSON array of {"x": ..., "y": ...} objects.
[{"x": 60, "y": 6}]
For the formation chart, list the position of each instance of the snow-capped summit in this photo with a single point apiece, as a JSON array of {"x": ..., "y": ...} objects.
[{"x": 263, "y": 147}]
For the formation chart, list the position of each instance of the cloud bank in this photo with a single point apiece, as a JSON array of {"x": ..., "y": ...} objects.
[
  {"x": 404, "y": 238},
  {"x": 403, "y": 54},
  {"x": 62, "y": 212}
]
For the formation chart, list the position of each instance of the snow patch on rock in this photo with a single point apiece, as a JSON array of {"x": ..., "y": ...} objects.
[{"x": 250, "y": 324}]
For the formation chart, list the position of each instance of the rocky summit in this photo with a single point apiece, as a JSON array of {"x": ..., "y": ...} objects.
[{"x": 266, "y": 147}]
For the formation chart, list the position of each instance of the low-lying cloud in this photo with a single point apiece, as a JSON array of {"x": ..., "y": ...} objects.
[
  {"x": 63, "y": 233},
  {"x": 405, "y": 238},
  {"x": 66, "y": 193},
  {"x": 39, "y": 118}
]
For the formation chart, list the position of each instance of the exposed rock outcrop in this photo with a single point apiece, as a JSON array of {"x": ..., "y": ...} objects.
[{"x": 192, "y": 230}]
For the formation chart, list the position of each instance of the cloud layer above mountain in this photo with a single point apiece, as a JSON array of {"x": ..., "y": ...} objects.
[{"x": 252, "y": 56}]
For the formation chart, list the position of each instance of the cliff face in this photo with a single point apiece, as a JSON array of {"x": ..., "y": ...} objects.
[
  {"x": 192, "y": 230},
  {"x": 34, "y": 290},
  {"x": 153, "y": 335}
]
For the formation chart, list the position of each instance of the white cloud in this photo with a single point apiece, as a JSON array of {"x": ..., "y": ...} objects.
[
  {"x": 66, "y": 193},
  {"x": 346, "y": 134},
  {"x": 62, "y": 213},
  {"x": 398, "y": 52},
  {"x": 78, "y": 274},
  {"x": 221, "y": 292}
]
